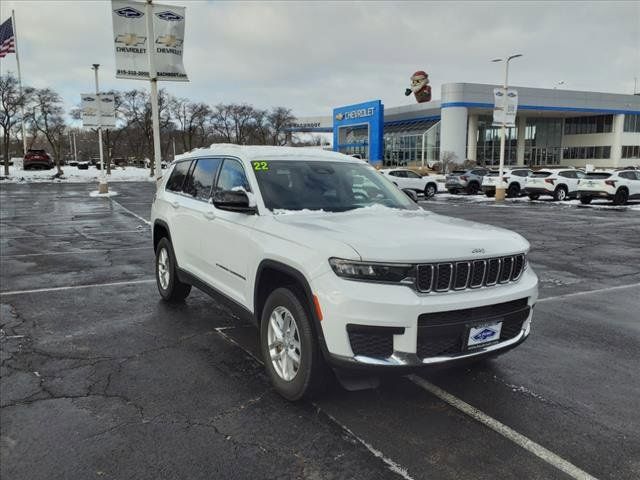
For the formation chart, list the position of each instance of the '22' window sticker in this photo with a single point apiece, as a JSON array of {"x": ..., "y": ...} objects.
[{"x": 260, "y": 166}]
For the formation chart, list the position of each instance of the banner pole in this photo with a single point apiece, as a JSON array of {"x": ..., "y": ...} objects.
[
  {"x": 15, "y": 39},
  {"x": 153, "y": 78},
  {"x": 102, "y": 185}
]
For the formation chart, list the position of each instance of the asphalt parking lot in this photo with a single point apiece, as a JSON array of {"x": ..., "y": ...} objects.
[{"x": 100, "y": 379}]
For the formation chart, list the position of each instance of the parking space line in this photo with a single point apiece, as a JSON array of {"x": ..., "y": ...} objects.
[
  {"x": 507, "y": 432},
  {"x": 393, "y": 466},
  {"x": 73, "y": 234},
  {"x": 115, "y": 249},
  {"x": 588, "y": 292},
  {"x": 73, "y": 287},
  {"x": 130, "y": 212}
]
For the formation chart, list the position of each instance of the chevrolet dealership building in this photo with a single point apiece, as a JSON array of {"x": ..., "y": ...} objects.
[{"x": 553, "y": 127}]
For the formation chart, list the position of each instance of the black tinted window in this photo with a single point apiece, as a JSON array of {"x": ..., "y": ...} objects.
[
  {"x": 177, "y": 177},
  {"x": 200, "y": 181},
  {"x": 232, "y": 176},
  {"x": 567, "y": 174},
  {"x": 628, "y": 175}
]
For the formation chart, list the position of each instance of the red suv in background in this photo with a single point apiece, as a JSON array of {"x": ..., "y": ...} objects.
[{"x": 37, "y": 159}]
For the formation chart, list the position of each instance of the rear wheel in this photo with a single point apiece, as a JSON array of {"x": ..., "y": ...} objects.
[
  {"x": 490, "y": 193},
  {"x": 430, "y": 190},
  {"x": 560, "y": 194},
  {"x": 621, "y": 197},
  {"x": 170, "y": 287},
  {"x": 585, "y": 200},
  {"x": 289, "y": 347},
  {"x": 534, "y": 196}
]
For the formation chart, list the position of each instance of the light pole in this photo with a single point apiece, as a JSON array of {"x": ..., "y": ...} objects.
[
  {"x": 500, "y": 188},
  {"x": 103, "y": 188}
]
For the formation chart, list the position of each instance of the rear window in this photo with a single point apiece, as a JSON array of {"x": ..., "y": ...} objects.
[
  {"x": 541, "y": 174},
  {"x": 174, "y": 184},
  {"x": 597, "y": 175}
]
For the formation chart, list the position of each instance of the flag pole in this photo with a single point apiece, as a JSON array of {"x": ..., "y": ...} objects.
[
  {"x": 15, "y": 40},
  {"x": 153, "y": 78}
]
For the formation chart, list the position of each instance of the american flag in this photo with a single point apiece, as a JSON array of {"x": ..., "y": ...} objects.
[{"x": 7, "y": 39}]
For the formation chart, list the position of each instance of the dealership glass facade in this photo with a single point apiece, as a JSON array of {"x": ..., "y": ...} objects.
[
  {"x": 543, "y": 141},
  {"x": 403, "y": 143},
  {"x": 488, "y": 149},
  {"x": 593, "y": 124},
  {"x": 632, "y": 123}
]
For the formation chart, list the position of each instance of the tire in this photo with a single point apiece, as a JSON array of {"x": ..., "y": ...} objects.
[
  {"x": 293, "y": 382},
  {"x": 473, "y": 188},
  {"x": 430, "y": 190},
  {"x": 171, "y": 289},
  {"x": 534, "y": 196},
  {"x": 585, "y": 200},
  {"x": 490, "y": 193},
  {"x": 513, "y": 191},
  {"x": 560, "y": 194},
  {"x": 621, "y": 197},
  {"x": 452, "y": 191}
]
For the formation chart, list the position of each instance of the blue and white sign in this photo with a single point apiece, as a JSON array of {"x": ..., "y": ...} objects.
[
  {"x": 359, "y": 129},
  {"x": 484, "y": 334}
]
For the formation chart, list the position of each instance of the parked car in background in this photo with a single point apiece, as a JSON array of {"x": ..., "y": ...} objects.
[
  {"x": 409, "y": 180},
  {"x": 468, "y": 181},
  {"x": 561, "y": 184},
  {"x": 37, "y": 159},
  {"x": 619, "y": 186},
  {"x": 83, "y": 165},
  {"x": 514, "y": 179}
]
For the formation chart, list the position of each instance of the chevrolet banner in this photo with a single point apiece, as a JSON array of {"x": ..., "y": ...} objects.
[
  {"x": 130, "y": 40},
  {"x": 505, "y": 107},
  {"x": 92, "y": 104}
]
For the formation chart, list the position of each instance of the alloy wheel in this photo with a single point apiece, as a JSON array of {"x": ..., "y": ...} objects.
[
  {"x": 163, "y": 268},
  {"x": 284, "y": 343}
]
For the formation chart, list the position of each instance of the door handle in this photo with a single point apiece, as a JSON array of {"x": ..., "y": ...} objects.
[
  {"x": 175, "y": 204},
  {"x": 209, "y": 215}
]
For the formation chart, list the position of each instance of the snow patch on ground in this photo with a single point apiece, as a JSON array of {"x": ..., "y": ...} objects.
[
  {"x": 96, "y": 193},
  {"x": 74, "y": 175}
]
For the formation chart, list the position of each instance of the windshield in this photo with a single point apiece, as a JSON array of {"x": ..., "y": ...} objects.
[{"x": 325, "y": 185}]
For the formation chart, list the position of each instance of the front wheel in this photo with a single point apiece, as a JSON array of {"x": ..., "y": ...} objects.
[
  {"x": 289, "y": 347},
  {"x": 513, "y": 191},
  {"x": 170, "y": 287},
  {"x": 473, "y": 188},
  {"x": 490, "y": 193},
  {"x": 430, "y": 190}
]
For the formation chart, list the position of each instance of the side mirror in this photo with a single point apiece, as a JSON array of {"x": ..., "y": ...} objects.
[
  {"x": 411, "y": 194},
  {"x": 234, "y": 201}
]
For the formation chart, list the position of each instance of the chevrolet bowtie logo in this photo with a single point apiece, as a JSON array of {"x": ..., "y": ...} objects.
[
  {"x": 131, "y": 39},
  {"x": 169, "y": 41}
]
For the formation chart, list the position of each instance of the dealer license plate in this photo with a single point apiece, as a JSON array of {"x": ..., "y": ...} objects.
[{"x": 483, "y": 334}]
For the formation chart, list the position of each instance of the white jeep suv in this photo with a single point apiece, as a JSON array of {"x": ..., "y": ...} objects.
[{"x": 336, "y": 266}]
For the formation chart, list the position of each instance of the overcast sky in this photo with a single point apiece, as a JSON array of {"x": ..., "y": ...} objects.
[{"x": 313, "y": 56}]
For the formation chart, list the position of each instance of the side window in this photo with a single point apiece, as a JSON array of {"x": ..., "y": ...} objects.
[
  {"x": 200, "y": 182},
  {"x": 637, "y": 174},
  {"x": 579, "y": 174},
  {"x": 480, "y": 173},
  {"x": 179, "y": 173},
  {"x": 566, "y": 174},
  {"x": 628, "y": 175},
  {"x": 413, "y": 175},
  {"x": 393, "y": 174},
  {"x": 232, "y": 176}
]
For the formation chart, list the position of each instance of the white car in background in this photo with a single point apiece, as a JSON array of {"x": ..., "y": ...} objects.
[
  {"x": 514, "y": 178},
  {"x": 408, "y": 179},
  {"x": 560, "y": 184},
  {"x": 618, "y": 186}
]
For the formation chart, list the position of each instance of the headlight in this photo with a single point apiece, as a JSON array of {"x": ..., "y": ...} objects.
[{"x": 373, "y": 272}]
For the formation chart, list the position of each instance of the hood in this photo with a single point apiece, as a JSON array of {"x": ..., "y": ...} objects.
[{"x": 413, "y": 236}]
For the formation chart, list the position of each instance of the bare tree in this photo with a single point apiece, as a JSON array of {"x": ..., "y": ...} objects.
[
  {"x": 10, "y": 116},
  {"x": 279, "y": 119},
  {"x": 46, "y": 115},
  {"x": 191, "y": 118}
]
